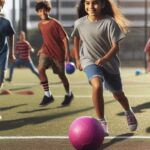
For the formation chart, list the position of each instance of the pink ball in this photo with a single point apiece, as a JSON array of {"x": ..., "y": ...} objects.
[{"x": 86, "y": 133}]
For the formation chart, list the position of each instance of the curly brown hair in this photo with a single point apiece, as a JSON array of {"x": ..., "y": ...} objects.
[{"x": 46, "y": 5}]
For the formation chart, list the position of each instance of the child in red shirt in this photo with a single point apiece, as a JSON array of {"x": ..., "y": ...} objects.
[
  {"x": 54, "y": 52},
  {"x": 23, "y": 49}
]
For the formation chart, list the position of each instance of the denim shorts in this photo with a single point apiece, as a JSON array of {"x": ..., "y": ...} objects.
[{"x": 112, "y": 82}]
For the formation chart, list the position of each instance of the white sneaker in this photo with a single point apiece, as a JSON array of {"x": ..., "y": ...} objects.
[
  {"x": 131, "y": 120},
  {"x": 105, "y": 127}
]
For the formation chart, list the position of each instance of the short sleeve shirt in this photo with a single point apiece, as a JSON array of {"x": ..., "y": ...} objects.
[
  {"x": 23, "y": 49},
  {"x": 97, "y": 39},
  {"x": 6, "y": 30},
  {"x": 53, "y": 35}
]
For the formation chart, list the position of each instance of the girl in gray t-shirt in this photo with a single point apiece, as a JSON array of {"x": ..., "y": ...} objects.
[{"x": 96, "y": 34}]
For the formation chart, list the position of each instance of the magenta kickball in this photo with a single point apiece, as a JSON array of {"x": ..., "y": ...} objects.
[
  {"x": 70, "y": 68},
  {"x": 86, "y": 133}
]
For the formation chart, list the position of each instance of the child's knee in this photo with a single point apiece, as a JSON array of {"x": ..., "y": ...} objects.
[{"x": 41, "y": 69}]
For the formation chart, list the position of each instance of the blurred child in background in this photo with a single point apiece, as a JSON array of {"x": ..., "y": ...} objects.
[{"x": 23, "y": 50}]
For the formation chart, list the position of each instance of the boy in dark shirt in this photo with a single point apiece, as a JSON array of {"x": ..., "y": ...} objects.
[{"x": 6, "y": 31}]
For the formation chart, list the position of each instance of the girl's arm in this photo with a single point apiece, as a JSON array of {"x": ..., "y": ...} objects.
[
  {"x": 77, "y": 41},
  {"x": 114, "y": 49}
]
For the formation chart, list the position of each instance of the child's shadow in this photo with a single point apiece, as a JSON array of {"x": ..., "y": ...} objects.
[{"x": 116, "y": 140}]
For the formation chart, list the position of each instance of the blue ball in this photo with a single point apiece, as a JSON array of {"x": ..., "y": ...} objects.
[
  {"x": 138, "y": 72},
  {"x": 70, "y": 68}
]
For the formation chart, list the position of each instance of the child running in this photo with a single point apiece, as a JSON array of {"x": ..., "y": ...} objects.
[
  {"x": 6, "y": 30},
  {"x": 54, "y": 52},
  {"x": 23, "y": 49},
  {"x": 97, "y": 34}
]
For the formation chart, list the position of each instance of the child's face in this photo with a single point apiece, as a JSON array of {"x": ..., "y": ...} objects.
[
  {"x": 42, "y": 14},
  {"x": 93, "y": 7},
  {"x": 22, "y": 36}
]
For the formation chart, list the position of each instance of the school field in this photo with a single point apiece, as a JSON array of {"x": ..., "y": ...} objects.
[{"x": 24, "y": 125}]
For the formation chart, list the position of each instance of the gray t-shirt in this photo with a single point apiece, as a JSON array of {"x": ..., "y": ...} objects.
[{"x": 97, "y": 38}]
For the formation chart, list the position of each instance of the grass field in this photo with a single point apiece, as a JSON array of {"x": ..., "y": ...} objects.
[{"x": 22, "y": 116}]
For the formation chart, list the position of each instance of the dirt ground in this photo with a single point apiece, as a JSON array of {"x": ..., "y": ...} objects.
[{"x": 49, "y": 144}]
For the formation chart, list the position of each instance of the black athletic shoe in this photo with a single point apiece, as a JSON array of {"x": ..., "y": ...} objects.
[
  {"x": 67, "y": 100},
  {"x": 46, "y": 100}
]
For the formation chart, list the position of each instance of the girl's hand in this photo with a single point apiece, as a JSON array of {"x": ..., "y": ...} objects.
[{"x": 100, "y": 62}]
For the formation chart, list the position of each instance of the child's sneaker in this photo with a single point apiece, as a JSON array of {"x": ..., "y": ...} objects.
[
  {"x": 131, "y": 119},
  {"x": 105, "y": 127},
  {"x": 46, "y": 100},
  {"x": 67, "y": 100}
]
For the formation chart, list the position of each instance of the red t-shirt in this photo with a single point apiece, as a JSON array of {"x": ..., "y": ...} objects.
[
  {"x": 53, "y": 35},
  {"x": 23, "y": 50}
]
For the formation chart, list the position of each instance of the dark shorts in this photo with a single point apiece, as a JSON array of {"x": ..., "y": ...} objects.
[
  {"x": 56, "y": 65},
  {"x": 4, "y": 60},
  {"x": 112, "y": 82},
  {"x": 3, "y": 65},
  {"x": 2, "y": 75}
]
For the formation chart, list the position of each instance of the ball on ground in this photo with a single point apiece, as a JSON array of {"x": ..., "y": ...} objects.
[
  {"x": 86, "y": 133},
  {"x": 138, "y": 72}
]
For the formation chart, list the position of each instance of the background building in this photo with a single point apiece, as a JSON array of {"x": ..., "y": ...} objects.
[{"x": 65, "y": 11}]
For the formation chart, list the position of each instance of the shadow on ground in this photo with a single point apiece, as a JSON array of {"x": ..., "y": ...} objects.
[
  {"x": 13, "y": 124},
  {"x": 116, "y": 140}
]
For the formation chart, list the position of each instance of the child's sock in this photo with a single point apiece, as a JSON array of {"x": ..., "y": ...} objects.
[
  {"x": 69, "y": 93},
  {"x": 47, "y": 93},
  {"x": 128, "y": 111},
  {"x": 46, "y": 88}
]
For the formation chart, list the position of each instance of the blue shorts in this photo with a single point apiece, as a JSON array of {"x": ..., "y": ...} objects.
[{"x": 112, "y": 82}]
